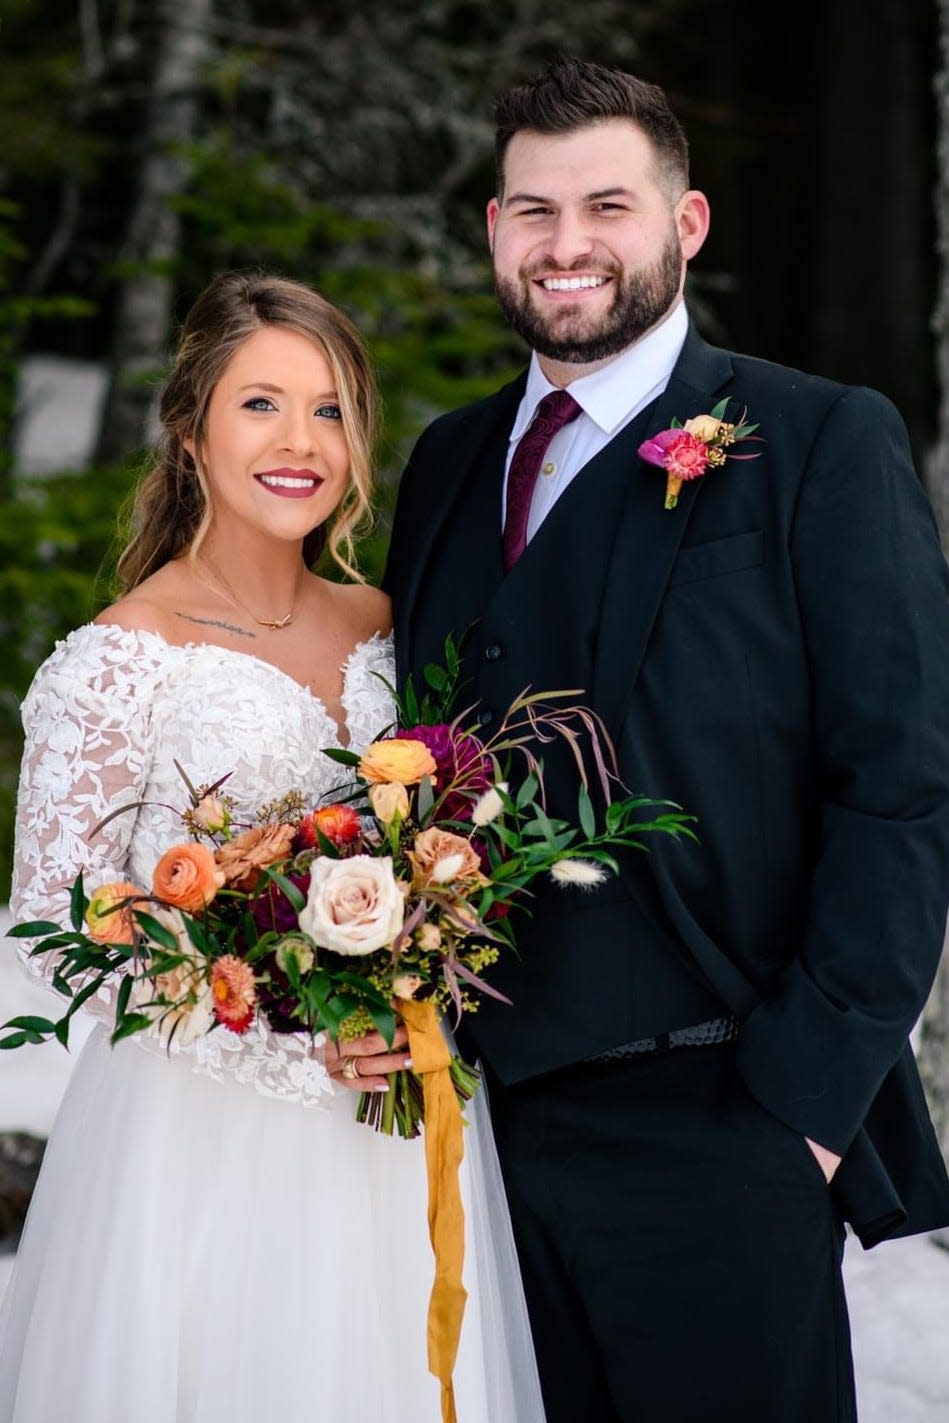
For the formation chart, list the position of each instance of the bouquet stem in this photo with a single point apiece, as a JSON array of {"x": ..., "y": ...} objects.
[{"x": 401, "y": 1108}]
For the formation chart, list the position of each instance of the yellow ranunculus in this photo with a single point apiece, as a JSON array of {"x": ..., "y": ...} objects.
[{"x": 397, "y": 759}]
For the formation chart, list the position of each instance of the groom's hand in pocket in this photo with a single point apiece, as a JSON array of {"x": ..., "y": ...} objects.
[{"x": 365, "y": 1063}]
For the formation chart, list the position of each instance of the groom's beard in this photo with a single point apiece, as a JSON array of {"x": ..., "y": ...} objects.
[{"x": 640, "y": 301}]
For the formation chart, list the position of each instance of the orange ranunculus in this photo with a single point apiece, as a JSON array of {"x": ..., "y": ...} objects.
[
  {"x": 397, "y": 759},
  {"x": 104, "y": 922},
  {"x": 242, "y": 859},
  {"x": 234, "y": 992},
  {"x": 187, "y": 877}
]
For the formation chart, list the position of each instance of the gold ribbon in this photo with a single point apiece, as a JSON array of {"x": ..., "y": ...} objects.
[{"x": 444, "y": 1150}]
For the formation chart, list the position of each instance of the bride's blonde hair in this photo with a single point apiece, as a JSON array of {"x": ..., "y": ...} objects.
[{"x": 171, "y": 508}]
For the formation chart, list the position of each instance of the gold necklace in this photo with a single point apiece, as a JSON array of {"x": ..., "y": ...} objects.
[{"x": 275, "y": 624}]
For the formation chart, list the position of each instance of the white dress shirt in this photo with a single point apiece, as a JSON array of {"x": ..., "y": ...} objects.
[{"x": 609, "y": 399}]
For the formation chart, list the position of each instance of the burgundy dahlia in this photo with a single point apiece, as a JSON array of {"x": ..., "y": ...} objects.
[{"x": 458, "y": 757}]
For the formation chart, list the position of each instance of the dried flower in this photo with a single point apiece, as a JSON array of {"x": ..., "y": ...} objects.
[
  {"x": 489, "y": 806},
  {"x": 234, "y": 992},
  {"x": 187, "y": 877},
  {"x": 585, "y": 873}
]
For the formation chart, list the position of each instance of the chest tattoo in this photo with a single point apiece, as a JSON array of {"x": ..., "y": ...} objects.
[{"x": 216, "y": 623}]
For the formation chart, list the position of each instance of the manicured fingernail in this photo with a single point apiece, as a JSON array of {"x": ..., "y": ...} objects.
[
  {"x": 407, "y": 1062},
  {"x": 383, "y": 1087}
]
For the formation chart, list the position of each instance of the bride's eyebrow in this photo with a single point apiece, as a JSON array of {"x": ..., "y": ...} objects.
[{"x": 279, "y": 390}]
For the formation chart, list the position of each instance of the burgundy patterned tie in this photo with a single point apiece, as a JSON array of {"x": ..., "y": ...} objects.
[{"x": 554, "y": 411}]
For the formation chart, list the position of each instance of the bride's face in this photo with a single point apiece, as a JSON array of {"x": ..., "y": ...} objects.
[{"x": 274, "y": 451}]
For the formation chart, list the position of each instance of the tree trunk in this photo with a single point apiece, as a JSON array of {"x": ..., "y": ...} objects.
[
  {"x": 144, "y": 304},
  {"x": 933, "y": 1052}
]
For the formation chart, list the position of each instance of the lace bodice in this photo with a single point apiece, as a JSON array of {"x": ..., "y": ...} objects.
[{"x": 107, "y": 715}]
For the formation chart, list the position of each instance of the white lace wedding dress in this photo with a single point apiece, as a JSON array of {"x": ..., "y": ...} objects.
[{"x": 213, "y": 1238}]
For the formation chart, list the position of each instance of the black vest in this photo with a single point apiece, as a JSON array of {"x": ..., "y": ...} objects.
[{"x": 593, "y": 969}]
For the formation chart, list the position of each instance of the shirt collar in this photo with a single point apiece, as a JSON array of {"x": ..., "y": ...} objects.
[{"x": 611, "y": 393}]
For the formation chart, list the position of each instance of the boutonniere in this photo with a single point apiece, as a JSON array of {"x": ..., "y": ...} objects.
[{"x": 688, "y": 451}]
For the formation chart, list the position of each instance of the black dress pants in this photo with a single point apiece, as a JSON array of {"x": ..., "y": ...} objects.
[{"x": 680, "y": 1248}]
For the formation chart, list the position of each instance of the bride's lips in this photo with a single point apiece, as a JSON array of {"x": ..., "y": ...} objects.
[{"x": 290, "y": 483}]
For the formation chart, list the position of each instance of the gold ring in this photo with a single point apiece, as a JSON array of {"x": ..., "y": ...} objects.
[{"x": 348, "y": 1069}]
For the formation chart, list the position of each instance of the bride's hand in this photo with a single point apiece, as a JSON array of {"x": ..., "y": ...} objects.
[{"x": 364, "y": 1063}]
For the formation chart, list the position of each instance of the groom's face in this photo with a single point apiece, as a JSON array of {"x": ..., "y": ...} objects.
[{"x": 589, "y": 241}]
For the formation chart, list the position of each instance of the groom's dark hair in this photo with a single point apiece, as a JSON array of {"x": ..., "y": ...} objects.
[{"x": 571, "y": 94}]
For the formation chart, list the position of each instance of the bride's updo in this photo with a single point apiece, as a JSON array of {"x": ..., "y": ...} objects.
[{"x": 171, "y": 511}]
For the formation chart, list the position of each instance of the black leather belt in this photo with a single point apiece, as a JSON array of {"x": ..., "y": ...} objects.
[{"x": 716, "y": 1030}]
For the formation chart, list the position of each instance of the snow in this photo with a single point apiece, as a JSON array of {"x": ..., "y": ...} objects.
[
  {"x": 59, "y": 402},
  {"x": 898, "y": 1292}
]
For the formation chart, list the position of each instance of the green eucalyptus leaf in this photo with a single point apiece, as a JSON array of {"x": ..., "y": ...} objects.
[
  {"x": 384, "y": 1019},
  {"x": 33, "y": 929},
  {"x": 587, "y": 817},
  {"x": 78, "y": 904},
  {"x": 156, "y": 931},
  {"x": 527, "y": 791},
  {"x": 42, "y": 1027},
  {"x": 426, "y": 798},
  {"x": 132, "y": 1023},
  {"x": 345, "y": 758},
  {"x": 288, "y": 889}
]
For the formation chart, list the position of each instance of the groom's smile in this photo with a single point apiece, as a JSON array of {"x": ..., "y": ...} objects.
[{"x": 589, "y": 241}]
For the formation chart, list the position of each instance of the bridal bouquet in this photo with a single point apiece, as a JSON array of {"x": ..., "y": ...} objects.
[
  {"x": 391, "y": 900},
  {"x": 332, "y": 919}
]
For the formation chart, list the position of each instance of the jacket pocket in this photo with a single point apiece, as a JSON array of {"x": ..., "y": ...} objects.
[{"x": 709, "y": 560}]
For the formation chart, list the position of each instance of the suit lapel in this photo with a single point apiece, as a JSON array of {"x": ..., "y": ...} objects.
[
  {"x": 476, "y": 430},
  {"x": 649, "y": 535}
]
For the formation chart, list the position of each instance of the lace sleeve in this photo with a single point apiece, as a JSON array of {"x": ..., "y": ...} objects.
[{"x": 86, "y": 722}]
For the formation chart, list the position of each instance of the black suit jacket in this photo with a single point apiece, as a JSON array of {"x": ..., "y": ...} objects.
[{"x": 773, "y": 655}]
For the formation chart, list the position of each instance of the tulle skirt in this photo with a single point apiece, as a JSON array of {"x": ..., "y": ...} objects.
[{"x": 198, "y": 1253}]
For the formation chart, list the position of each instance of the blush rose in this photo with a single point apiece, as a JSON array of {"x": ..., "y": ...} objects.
[{"x": 354, "y": 906}]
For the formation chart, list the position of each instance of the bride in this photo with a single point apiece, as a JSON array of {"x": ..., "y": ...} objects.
[{"x": 213, "y": 1236}]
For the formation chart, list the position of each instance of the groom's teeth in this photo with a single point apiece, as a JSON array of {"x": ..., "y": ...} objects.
[
  {"x": 571, "y": 284},
  {"x": 286, "y": 481}
]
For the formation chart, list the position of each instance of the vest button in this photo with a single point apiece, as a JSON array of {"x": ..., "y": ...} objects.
[
  {"x": 485, "y": 716},
  {"x": 494, "y": 652}
]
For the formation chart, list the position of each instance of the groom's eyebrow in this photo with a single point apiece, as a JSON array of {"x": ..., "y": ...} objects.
[{"x": 587, "y": 197}]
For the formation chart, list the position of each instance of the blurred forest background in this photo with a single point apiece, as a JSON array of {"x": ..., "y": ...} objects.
[{"x": 145, "y": 146}]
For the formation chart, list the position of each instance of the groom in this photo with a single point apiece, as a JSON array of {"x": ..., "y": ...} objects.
[{"x": 705, "y": 1071}]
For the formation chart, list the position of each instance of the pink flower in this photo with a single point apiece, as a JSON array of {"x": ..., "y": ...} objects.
[
  {"x": 686, "y": 456},
  {"x": 234, "y": 992},
  {"x": 654, "y": 449},
  {"x": 687, "y": 451}
]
